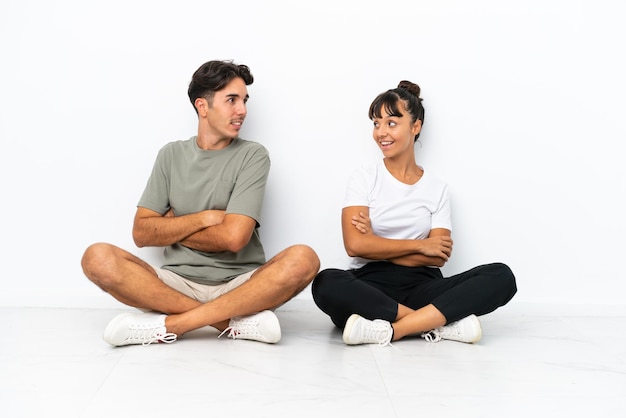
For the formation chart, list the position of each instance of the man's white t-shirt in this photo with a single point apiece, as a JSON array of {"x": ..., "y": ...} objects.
[{"x": 398, "y": 210}]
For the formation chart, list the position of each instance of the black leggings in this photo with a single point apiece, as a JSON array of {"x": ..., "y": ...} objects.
[{"x": 375, "y": 290}]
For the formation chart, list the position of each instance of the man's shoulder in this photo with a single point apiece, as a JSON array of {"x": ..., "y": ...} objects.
[
  {"x": 246, "y": 143},
  {"x": 176, "y": 145},
  {"x": 250, "y": 147},
  {"x": 181, "y": 143}
]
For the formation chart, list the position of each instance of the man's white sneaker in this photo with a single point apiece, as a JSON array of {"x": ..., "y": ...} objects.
[
  {"x": 137, "y": 328},
  {"x": 359, "y": 330},
  {"x": 262, "y": 326},
  {"x": 466, "y": 330}
]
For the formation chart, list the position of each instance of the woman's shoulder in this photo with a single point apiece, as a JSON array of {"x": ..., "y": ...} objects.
[
  {"x": 370, "y": 167},
  {"x": 432, "y": 179},
  {"x": 365, "y": 172}
]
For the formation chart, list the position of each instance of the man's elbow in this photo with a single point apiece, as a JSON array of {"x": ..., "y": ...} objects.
[
  {"x": 138, "y": 239},
  {"x": 236, "y": 244}
]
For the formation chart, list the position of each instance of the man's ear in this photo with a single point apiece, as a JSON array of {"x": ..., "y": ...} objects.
[{"x": 201, "y": 105}]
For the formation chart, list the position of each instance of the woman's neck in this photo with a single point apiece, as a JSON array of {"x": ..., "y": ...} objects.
[{"x": 406, "y": 171}]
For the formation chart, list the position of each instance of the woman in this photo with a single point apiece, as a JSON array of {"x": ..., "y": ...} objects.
[{"x": 396, "y": 227}]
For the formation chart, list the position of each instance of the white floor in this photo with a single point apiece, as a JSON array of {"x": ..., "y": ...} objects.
[{"x": 532, "y": 361}]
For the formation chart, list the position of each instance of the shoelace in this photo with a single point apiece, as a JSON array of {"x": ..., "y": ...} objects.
[
  {"x": 231, "y": 332},
  {"x": 151, "y": 335},
  {"x": 242, "y": 327},
  {"x": 432, "y": 336},
  {"x": 450, "y": 331},
  {"x": 168, "y": 337},
  {"x": 379, "y": 333},
  {"x": 386, "y": 344}
]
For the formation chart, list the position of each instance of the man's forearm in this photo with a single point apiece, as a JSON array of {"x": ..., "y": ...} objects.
[
  {"x": 232, "y": 235},
  {"x": 209, "y": 240},
  {"x": 161, "y": 231}
]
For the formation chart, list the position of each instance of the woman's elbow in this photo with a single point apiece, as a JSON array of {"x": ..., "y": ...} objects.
[
  {"x": 439, "y": 263},
  {"x": 352, "y": 250}
]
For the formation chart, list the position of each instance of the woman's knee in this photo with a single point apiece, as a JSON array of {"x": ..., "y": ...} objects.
[
  {"x": 506, "y": 278},
  {"x": 326, "y": 283}
]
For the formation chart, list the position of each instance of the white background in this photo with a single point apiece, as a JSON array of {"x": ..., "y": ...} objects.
[{"x": 524, "y": 120}]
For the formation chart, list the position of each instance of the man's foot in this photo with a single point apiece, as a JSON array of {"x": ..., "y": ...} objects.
[
  {"x": 359, "y": 330},
  {"x": 262, "y": 326},
  {"x": 466, "y": 330},
  {"x": 137, "y": 328}
]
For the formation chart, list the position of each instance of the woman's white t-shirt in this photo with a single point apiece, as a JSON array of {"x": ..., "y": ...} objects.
[{"x": 398, "y": 210}]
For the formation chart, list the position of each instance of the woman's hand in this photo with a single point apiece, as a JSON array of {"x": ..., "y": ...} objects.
[
  {"x": 362, "y": 223},
  {"x": 437, "y": 246}
]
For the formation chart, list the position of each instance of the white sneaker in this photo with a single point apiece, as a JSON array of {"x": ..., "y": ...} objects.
[
  {"x": 359, "y": 330},
  {"x": 137, "y": 328},
  {"x": 466, "y": 330},
  {"x": 262, "y": 326}
]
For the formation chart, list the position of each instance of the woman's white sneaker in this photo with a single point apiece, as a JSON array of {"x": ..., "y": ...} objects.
[
  {"x": 466, "y": 330},
  {"x": 359, "y": 330}
]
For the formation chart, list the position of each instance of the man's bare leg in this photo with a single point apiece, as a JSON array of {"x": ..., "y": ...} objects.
[
  {"x": 131, "y": 280},
  {"x": 274, "y": 283}
]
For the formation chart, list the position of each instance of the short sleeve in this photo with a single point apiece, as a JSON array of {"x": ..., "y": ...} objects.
[
  {"x": 441, "y": 217},
  {"x": 155, "y": 195},
  {"x": 249, "y": 190},
  {"x": 357, "y": 189}
]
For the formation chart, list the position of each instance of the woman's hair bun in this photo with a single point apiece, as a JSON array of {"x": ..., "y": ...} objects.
[{"x": 411, "y": 87}]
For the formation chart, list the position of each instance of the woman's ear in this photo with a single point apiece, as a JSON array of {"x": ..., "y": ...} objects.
[{"x": 417, "y": 127}]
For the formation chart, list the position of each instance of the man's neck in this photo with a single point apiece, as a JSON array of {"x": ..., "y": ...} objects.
[{"x": 208, "y": 141}]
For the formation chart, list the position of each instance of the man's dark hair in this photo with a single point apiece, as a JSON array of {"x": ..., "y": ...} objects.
[{"x": 212, "y": 76}]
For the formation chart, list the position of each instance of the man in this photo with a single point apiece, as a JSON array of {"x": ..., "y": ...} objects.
[{"x": 202, "y": 203}]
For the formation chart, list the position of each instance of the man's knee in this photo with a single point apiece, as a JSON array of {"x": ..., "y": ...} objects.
[
  {"x": 96, "y": 260},
  {"x": 300, "y": 263},
  {"x": 306, "y": 259}
]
